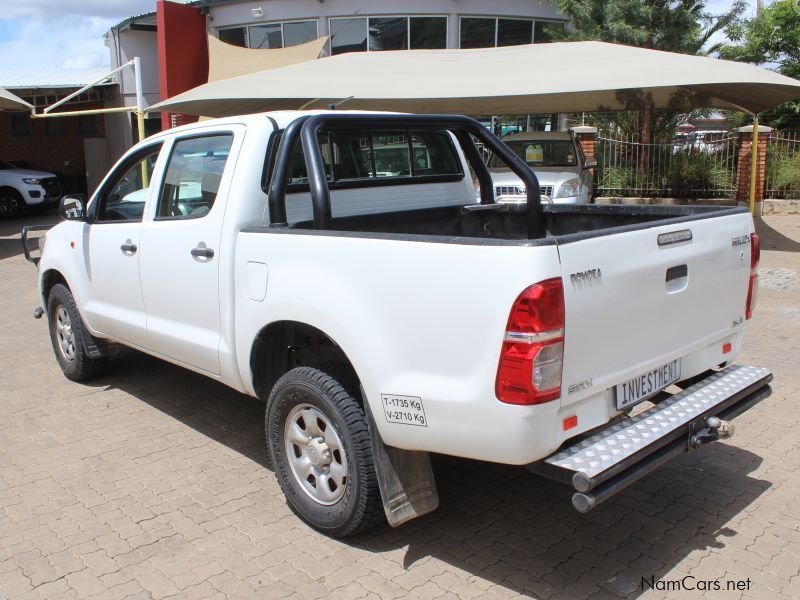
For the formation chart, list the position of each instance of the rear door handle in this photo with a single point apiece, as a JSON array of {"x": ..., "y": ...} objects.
[
  {"x": 129, "y": 248},
  {"x": 203, "y": 252}
]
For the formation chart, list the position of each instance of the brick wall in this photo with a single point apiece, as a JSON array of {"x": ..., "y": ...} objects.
[
  {"x": 586, "y": 136},
  {"x": 39, "y": 150},
  {"x": 743, "y": 166}
]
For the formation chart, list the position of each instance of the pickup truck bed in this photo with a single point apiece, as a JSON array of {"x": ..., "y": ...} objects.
[{"x": 498, "y": 223}]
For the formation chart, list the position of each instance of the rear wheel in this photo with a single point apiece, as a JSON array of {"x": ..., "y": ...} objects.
[
  {"x": 66, "y": 335},
  {"x": 318, "y": 437},
  {"x": 11, "y": 203}
]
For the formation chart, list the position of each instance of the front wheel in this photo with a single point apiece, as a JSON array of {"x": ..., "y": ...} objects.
[
  {"x": 11, "y": 203},
  {"x": 318, "y": 436},
  {"x": 66, "y": 335}
]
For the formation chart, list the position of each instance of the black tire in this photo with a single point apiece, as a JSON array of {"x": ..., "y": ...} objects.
[
  {"x": 359, "y": 508},
  {"x": 12, "y": 204},
  {"x": 75, "y": 364}
]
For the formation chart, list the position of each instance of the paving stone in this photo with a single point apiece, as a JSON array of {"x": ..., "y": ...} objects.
[{"x": 151, "y": 482}]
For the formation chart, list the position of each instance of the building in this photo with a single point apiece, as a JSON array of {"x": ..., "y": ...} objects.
[
  {"x": 74, "y": 148},
  {"x": 171, "y": 41}
]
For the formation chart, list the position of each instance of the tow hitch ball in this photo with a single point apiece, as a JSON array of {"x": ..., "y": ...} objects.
[{"x": 715, "y": 429}]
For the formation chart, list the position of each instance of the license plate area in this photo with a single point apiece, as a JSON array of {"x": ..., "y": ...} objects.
[{"x": 647, "y": 385}]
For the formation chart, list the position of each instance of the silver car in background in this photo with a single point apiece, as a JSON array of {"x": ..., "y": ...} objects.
[{"x": 564, "y": 174}]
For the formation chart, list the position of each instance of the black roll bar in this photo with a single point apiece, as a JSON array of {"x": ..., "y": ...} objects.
[
  {"x": 308, "y": 127},
  {"x": 280, "y": 173}
]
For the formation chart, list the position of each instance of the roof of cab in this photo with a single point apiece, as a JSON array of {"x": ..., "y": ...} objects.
[{"x": 281, "y": 117}]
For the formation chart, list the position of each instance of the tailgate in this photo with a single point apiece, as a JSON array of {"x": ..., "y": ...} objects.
[{"x": 633, "y": 301}]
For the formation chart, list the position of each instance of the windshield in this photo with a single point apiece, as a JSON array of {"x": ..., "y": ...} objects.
[
  {"x": 5, "y": 165},
  {"x": 540, "y": 153}
]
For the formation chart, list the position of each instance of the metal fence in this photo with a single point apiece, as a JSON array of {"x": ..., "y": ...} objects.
[
  {"x": 782, "y": 176},
  {"x": 697, "y": 166}
]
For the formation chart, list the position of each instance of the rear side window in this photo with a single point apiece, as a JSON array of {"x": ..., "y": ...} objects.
[
  {"x": 193, "y": 175},
  {"x": 376, "y": 157}
]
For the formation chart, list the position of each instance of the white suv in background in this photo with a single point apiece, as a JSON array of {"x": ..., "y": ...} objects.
[
  {"x": 25, "y": 188},
  {"x": 564, "y": 174}
]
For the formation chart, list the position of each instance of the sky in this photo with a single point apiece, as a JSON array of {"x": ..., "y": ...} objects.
[
  {"x": 63, "y": 34},
  {"x": 68, "y": 34}
]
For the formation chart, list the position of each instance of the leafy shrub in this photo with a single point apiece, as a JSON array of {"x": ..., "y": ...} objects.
[{"x": 783, "y": 171}]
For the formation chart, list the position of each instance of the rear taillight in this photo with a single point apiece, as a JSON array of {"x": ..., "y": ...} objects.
[
  {"x": 533, "y": 349},
  {"x": 752, "y": 290}
]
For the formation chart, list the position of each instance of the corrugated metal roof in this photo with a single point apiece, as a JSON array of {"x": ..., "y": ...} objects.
[
  {"x": 148, "y": 18},
  {"x": 51, "y": 78}
]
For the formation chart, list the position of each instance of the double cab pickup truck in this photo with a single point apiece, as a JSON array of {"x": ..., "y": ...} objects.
[{"x": 338, "y": 266}]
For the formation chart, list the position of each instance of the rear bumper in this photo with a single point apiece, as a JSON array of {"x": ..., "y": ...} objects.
[{"x": 611, "y": 459}]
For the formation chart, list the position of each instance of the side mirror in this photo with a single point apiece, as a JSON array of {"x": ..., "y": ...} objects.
[
  {"x": 590, "y": 164},
  {"x": 72, "y": 208}
]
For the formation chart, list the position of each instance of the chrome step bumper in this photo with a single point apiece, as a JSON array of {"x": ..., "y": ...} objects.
[{"x": 610, "y": 460}]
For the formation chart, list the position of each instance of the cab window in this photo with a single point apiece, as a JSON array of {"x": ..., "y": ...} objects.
[
  {"x": 192, "y": 177},
  {"x": 124, "y": 196},
  {"x": 375, "y": 157}
]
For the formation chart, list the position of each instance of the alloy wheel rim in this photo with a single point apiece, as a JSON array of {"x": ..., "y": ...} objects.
[
  {"x": 64, "y": 333},
  {"x": 316, "y": 454},
  {"x": 9, "y": 205}
]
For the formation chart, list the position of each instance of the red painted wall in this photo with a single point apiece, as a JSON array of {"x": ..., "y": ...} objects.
[{"x": 182, "y": 50}]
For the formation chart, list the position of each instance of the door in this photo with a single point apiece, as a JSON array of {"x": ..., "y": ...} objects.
[
  {"x": 180, "y": 251},
  {"x": 97, "y": 157},
  {"x": 114, "y": 304}
]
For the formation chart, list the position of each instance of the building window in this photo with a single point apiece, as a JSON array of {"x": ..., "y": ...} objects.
[
  {"x": 513, "y": 32},
  {"x": 348, "y": 35},
  {"x": 478, "y": 33},
  {"x": 20, "y": 125},
  {"x": 484, "y": 32},
  {"x": 237, "y": 36},
  {"x": 87, "y": 125},
  {"x": 387, "y": 33},
  {"x": 428, "y": 33},
  {"x": 54, "y": 126},
  {"x": 271, "y": 35},
  {"x": 265, "y": 36},
  {"x": 299, "y": 32}
]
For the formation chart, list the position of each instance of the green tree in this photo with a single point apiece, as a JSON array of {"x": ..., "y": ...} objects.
[
  {"x": 674, "y": 25},
  {"x": 772, "y": 39},
  {"x": 683, "y": 26}
]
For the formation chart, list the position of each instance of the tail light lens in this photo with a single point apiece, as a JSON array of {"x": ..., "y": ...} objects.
[
  {"x": 532, "y": 356},
  {"x": 752, "y": 290}
]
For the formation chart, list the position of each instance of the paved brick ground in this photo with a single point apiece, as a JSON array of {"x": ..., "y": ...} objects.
[{"x": 151, "y": 482}]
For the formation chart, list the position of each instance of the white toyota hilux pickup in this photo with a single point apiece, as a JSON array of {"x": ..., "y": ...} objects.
[{"x": 337, "y": 265}]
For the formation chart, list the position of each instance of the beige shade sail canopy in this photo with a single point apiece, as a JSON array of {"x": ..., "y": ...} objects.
[
  {"x": 9, "y": 101},
  {"x": 227, "y": 60},
  {"x": 534, "y": 78}
]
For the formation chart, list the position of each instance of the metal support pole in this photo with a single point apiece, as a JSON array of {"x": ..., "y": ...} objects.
[
  {"x": 753, "y": 164},
  {"x": 87, "y": 86},
  {"x": 78, "y": 113},
  {"x": 137, "y": 76}
]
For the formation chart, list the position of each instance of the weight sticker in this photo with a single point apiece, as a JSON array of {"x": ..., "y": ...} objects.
[{"x": 404, "y": 410}]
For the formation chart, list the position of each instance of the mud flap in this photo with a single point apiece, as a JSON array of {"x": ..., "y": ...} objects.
[{"x": 405, "y": 477}]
